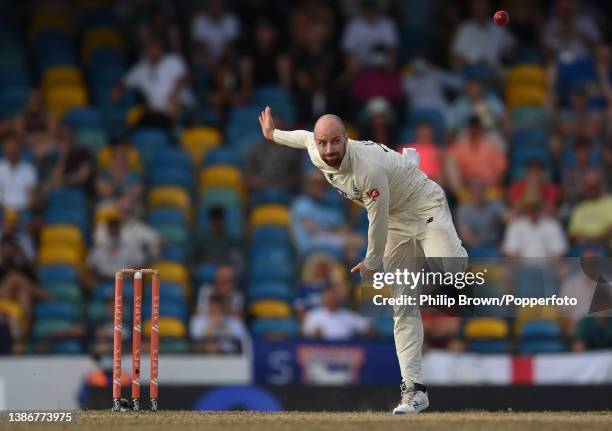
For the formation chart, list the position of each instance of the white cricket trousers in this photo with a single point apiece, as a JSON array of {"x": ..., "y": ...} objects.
[{"x": 425, "y": 231}]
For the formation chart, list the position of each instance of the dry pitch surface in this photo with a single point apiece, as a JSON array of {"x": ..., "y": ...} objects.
[{"x": 296, "y": 421}]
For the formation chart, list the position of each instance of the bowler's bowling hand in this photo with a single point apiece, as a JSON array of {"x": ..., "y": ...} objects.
[
  {"x": 366, "y": 274},
  {"x": 267, "y": 123}
]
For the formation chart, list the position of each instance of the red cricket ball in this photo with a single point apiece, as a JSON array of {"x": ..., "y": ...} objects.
[{"x": 501, "y": 17}]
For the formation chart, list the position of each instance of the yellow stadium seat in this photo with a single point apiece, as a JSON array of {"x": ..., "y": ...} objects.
[
  {"x": 61, "y": 234},
  {"x": 198, "y": 140},
  {"x": 101, "y": 37},
  {"x": 270, "y": 214},
  {"x": 105, "y": 213},
  {"x": 528, "y": 75},
  {"x": 170, "y": 196},
  {"x": 105, "y": 157},
  {"x": 222, "y": 176},
  {"x": 173, "y": 272},
  {"x": 62, "y": 76},
  {"x": 60, "y": 100},
  {"x": 519, "y": 97},
  {"x": 50, "y": 20},
  {"x": 486, "y": 327},
  {"x": 169, "y": 327},
  {"x": 59, "y": 254},
  {"x": 133, "y": 116},
  {"x": 14, "y": 310},
  {"x": 270, "y": 308}
]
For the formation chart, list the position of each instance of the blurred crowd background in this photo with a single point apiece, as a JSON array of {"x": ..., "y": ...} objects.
[{"x": 130, "y": 138}]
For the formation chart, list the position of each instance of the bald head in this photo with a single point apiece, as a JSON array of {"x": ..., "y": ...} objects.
[
  {"x": 329, "y": 121},
  {"x": 330, "y": 137}
]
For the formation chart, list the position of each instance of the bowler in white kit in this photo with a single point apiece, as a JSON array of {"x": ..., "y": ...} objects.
[{"x": 408, "y": 218}]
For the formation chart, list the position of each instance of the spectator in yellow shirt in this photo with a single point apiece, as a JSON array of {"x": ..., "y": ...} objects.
[{"x": 591, "y": 220}]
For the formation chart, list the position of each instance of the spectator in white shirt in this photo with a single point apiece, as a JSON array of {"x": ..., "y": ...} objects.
[
  {"x": 369, "y": 30},
  {"x": 215, "y": 331},
  {"x": 212, "y": 30},
  {"x": 534, "y": 234},
  {"x": 333, "y": 322},
  {"x": 133, "y": 231},
  {"x": 18, "y": 178},
  {"x": 479, "y": 41},
  {"x": 161, "y": 78}
]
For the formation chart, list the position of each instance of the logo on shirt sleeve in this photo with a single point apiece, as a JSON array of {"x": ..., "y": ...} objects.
[{"x": 373, "y": 194}]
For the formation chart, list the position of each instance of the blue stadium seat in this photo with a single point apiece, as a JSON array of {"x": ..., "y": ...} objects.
[
  {"x": 150, "y": 141},
  {"x": 540, "y": 329},
  {"x": 67, "y": 197},
  {"x": 205, "y": 273},
  {"x": 106, "y": 290},
  {"x": 223, "y": 156},
  {"x": 535, "y": 281},
  {"x": 489, "y": 346},
  {"x": 540, "y": 336},
  {"x": 174, "y": 157},
  {"x": 271, "y": 195},
  {"x": 67, "y": 347},
  {"x": 271, "y": 235},
  {"x": 383, "y": 325},
  {"x": 57, "y": 273},
  {"x": 431, "y": 116},
  {"x": 171, "y": 176},
  {"x": 50, "y": 310},
  {"x": 267, "y": 269},
  {"x": 167, "y": 216},
  {"x": 84, "y": 117},
  {"x": 271, "y": 290},
  {"x": 174, "y": 253},
  {"x": 175, "y": 309},
  {"x": 287, "y": 328}
]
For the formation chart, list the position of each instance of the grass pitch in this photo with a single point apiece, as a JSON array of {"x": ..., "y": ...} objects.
[{"x": 298, "y": 421}]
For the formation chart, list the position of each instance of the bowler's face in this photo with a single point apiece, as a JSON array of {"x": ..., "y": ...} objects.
[{"x": 331, "y": 143}]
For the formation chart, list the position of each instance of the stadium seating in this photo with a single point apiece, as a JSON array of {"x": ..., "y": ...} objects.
[{"x": 487, "y": 335}]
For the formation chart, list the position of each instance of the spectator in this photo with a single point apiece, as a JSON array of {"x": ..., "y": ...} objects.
[
  {"x": 606, "y": 159},
  {"x": 12, "y": 226},
  {"x": 119, "y": 185},
  {"x": 579, "y": 119},
  {"x": 313, "y": 48},
  {"x": 378, "y": 79},
  {"x": 591, "y": 220},
  {"x": 475, "y": 156},
  {"x": 593, "y": 332},
  {"x": 218, "y": 245},
  {"x": 430, "y": 154},
  {"x": 369, "y": 30},
  {"x": 264, "y": 60},
  {"x": 311, "y": 18},
  {"x": 320, "y": 271},
  {"x": 215, "y": 331},
  {"x": 569, "y": 34},
  {"x": 162, "y": 78},
  {"x": 331, "y": 321},
  {"x": 213, "y": 30},
  {"x": 316, "y": 224},
  {"x": 479, "y": 41},
  {"x": 160, "y": 25},
  {"x": 534, "y": 180},
  {"x": 534, "y": 234},
  {"x": 271, "y": 165},
  {"x": 525, "y": 26},
  {"x": 427, "y": 86},
  {"x": 480, "y": 222},
  {"x": 223, "y": 284},
  {"x": 18, "y": 177},
  {"x": 226, "y": 90},
  {"x": 573, "y": 176},
  {"x": 18, "y": 278},
  {"x": 36, "y": 126},
  {"x": 109, "y": 257},
  {"x": 316, "y": 95},
  {"x": 380, "y": 123},
  {"x": 73, "y": 166},
  {"x": 133, "y": 231},
  {"x": 478, "y": 103}
]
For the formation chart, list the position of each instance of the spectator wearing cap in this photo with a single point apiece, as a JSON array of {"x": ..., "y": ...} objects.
[
  {"x": 534, "y": 234},
  {"x": 379, "y": 124},
  {"x": 475, "y": 156}
]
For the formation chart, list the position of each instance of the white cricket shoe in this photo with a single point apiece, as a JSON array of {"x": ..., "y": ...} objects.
[{"x": 414, "y": 399}]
